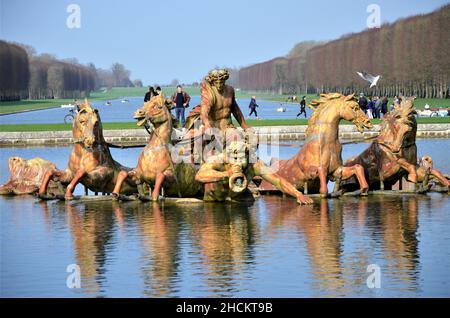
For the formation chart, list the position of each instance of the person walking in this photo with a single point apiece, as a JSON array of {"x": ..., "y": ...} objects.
[
  {"x": 158, "y": 90},
  {"x": 151, "y": 93},
  {"x": 302, "y": 107},
  {"x": 252, "y": 107},
  {"x": 180, "y": 100}
]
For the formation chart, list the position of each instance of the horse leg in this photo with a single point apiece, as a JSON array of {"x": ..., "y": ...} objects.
[
  {"x": 45, "y": 181},
  {"x": 120, "y": 179},
  {"x": 358, "y": 171},
  {"x": 440, "y": 177},
  {"x": 158, "y": 182},
  {"x": 71, "y": 187},
  {"x": 62, "y": 176},
  {"x": 412, "y": 173},
  {"x": 323, "y": 182}
]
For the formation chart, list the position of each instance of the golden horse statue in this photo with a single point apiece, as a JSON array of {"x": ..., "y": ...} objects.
[
  {"x": 393, "y": 154},
  {"x": 320, "y": 158},
  {"x": 90, "y": 161},
  {"x": 155, "y": 168}
]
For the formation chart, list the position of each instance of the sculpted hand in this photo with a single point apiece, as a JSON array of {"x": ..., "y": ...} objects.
[{"x": 304, "y": 199}]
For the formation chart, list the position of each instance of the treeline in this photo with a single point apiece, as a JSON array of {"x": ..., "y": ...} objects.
[
  {"x": 411, "y": 55},
  {"x": 281, "y": 74},
  {"x": 14, "y": 72},
  {"x": 51, "y": 78},
  {"x": 24, "y": 74}
]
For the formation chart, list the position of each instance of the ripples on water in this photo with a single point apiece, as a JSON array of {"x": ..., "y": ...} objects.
[{"x": 272, "y": 248}]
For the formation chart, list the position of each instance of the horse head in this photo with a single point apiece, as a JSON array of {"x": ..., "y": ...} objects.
[
  {"x": 345, "y": 107},
  {"x": 87, "y": 126},
  {"x": 155, "y": 112},
  {"x": 350, "y": 110},
  {"x": 399, "y": 127}
]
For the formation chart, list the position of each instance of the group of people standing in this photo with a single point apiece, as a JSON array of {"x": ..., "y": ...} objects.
[
  {"x": 180, "y": 101},
  {"x": 373, "y": 106}
]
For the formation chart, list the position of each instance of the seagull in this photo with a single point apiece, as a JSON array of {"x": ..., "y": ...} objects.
[{"x": 369, "y": 77}]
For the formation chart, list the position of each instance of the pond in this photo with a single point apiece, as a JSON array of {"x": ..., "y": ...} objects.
[
  {"x": 272, "y": 248},
  {"x": 123, "y": 112}
]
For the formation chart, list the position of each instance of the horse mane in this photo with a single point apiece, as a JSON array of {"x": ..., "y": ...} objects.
[
  {"x": 406, "y": 112},
  {"x": 319, "y": 105}
]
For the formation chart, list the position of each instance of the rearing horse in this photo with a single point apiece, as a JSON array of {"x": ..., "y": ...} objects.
[
  {"x": 155, "y": 167},
  {"x": 393, "y": 154},
  {"x": 320, "y": 157},
  {"x": 90, "y": 161}
]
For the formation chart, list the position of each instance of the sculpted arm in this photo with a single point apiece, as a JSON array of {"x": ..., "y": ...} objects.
[
  {"x": 211, "y": 172},
  {"x": 206, "y": 103}
]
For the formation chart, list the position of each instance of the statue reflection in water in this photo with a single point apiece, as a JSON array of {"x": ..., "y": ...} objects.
[
  {"x": 216, "y": 243},
  {"x": 338, "y": 266}
]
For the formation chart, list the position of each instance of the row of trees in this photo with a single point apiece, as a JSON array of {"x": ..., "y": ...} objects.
[
  {"x": 24, "y": 74},
  {"x": 14, "y": 72},
  {"x": 282, "y": 74},
  {"x": 411, "y": 55},
  {"x": 51, "y": 78}
]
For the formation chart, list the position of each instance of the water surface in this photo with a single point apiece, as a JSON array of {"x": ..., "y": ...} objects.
[
  {"x": 272, "y": 248},
  {"x": 123, "y": 112}
]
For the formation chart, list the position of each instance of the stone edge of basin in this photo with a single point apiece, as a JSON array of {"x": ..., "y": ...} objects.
[{"x": 133, "y": 136}]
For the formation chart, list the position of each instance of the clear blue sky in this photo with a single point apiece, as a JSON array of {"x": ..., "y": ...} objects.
[{"x": 162, "y": 40}]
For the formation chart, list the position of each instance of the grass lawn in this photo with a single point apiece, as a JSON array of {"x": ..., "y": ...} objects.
[
  {"x": 24, "y": 105},
  {"x": 120, "y": 92},
  {"x": 132, "y": 125}
]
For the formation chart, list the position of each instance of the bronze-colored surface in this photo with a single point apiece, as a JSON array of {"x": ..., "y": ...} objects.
[
  {"x": 155, "y": 168},
  {"x": 218, "y": 102},
  {"x": 393, "y": 155},
  {"x": 27, "y": 175},
  {"x": 90, "y": 163},
  {"x": 319, "y": 160}
]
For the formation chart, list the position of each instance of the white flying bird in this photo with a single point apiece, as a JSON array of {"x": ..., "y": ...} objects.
[{"x": 369, "y": 77}]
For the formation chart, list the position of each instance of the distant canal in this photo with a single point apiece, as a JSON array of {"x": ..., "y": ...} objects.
[
  {"x": 272, "y": 248},
  {"x": 123, "y": 112}
]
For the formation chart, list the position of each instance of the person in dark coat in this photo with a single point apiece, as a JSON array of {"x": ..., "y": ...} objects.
[
  {"x": 302, "y": 107},
  {"x": 151, "y": 93},
  {"x": 362, "y": 102},
  {"x": 384, "y": 106},
  {"x": 252, "y": 107}
]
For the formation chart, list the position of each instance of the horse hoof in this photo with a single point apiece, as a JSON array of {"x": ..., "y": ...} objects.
[
  {"x": 364, "y": 192},
  {"x": 115, "y": 196}
]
